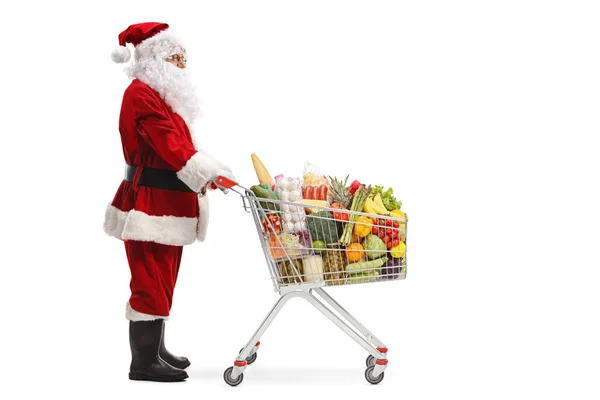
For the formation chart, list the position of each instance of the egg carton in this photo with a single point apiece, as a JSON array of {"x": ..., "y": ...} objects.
[{"x": 293, "y": 217}]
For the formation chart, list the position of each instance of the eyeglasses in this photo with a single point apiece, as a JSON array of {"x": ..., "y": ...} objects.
[{"x": 178, "y": 58}]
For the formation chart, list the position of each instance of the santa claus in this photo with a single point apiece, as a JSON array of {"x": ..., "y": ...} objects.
[{"x": 161, "y": 204}]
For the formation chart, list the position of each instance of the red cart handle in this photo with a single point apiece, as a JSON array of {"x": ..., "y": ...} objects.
[{"x": 224, "y": 182}]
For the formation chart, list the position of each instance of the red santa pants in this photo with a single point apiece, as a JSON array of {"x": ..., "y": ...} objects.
[{"x": 154, "y": 268}]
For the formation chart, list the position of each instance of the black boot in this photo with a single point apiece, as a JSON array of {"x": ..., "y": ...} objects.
[
  {"x": 177, "y": 362},
  {"x": 146, "y": 365}
]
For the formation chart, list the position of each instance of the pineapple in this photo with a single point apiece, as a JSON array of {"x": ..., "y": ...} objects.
[
  {"x": 340, "y": 192},
  {"x": 333, "y": 265}
]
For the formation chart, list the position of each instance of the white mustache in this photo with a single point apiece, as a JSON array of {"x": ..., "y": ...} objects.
[{"x": 173, "y": 84}]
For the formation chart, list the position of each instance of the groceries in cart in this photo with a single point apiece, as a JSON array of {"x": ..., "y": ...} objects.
[{"x": 318, "y": 228}]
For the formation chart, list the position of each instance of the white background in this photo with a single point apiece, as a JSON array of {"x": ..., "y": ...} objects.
[{"x": 483, "y": 117}]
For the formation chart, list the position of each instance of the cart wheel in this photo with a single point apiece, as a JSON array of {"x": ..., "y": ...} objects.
[
  {"x": 250, "y": 359},
  {"x": 370, "y": 360},
  {"x": 232, "y": 382},
  {"x": 373, "y": 379}
]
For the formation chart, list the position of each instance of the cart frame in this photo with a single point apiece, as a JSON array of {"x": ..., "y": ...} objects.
[{"x": 376, "y": 361}]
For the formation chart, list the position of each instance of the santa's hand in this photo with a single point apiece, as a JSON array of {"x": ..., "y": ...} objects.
[
  {"x": 225, "y": 174},
  {"x": 213, "y": 186},
  {"x": 200, "y": 169}
]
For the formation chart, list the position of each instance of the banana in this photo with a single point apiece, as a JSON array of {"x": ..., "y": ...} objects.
[
  {"x": 373, "y": 208},
  {"x": 368, "y": 207},
  {"x": 381, "y": 210},
  {"x": 378, "y": 201}
]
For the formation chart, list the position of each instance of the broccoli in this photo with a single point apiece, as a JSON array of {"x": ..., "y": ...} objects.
[{"x": 322, "y": 226}]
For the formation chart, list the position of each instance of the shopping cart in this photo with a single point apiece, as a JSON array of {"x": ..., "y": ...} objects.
[{"x": 304, "y": 261}]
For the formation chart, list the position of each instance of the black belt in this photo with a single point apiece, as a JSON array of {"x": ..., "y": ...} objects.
[{"x": 157, "y": 178}]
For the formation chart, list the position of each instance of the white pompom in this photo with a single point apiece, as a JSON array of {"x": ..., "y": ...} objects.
[{"x": 120, "y": 54}]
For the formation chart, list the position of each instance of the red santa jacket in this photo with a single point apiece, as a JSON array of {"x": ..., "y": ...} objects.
[{"x": 154, "y": 136}]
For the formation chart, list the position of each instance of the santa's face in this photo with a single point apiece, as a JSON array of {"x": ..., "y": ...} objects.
[
  {"x": 169, "y": 77},
  {"x": 179, "y": 60}
]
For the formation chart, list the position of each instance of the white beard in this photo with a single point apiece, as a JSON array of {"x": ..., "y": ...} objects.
[{"x": 173, "y": 84}]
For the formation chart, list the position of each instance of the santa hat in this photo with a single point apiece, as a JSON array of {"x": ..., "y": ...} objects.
[{"x": 150, "y": 39}]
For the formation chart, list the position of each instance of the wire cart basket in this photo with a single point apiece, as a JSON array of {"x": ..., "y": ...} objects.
[{"x": 303, "y": 262}]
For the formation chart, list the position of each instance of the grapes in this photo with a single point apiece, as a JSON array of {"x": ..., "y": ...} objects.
[
  {"x": 393, "y": 262},
  {"x": 391, "y": 269}
]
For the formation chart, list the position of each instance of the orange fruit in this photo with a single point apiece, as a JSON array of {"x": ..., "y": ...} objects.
[{"x": 354, "y": 252}]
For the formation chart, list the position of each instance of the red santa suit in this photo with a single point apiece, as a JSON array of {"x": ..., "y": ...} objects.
[{"x": 155, "y": 223}]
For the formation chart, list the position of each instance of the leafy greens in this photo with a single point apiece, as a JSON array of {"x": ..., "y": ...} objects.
[{"x": 387, "y": 197}]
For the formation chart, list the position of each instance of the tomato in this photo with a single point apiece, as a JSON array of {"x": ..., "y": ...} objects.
[
  {"x": 339, "y": 216},
  {"x": 394, "y": 233},
  {"x": 396, "y": 242},
  {"x": 321, "y": 192},
  {"x": 375, "y": 230},
  {"x": 388, "y": 222},
  {"x": 306, "y": 192},
  {"x": 396, "y": 225},
  {"x": 381, "y": 234},
  {"x": 388, "y": 231},
  {"x": 310, "y": 193}
]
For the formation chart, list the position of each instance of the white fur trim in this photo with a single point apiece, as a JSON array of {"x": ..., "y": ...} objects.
[
  {"x": 196, "y": 171},
  {"x": 132, "y": 315},
  {"x": 226, "y": 170},
  {"x": 120, "y": 54},
  {"x": 203, "y": 219},
  {"x": 162, "y": 45},
  {"x": 170, "y": 230},
  {"x": 114, "y": 221},
  {"x": 136, "y": 225}
]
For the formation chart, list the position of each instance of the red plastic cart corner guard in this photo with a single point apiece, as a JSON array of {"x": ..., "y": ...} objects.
[
  {"x": 257, "y": 343},
  {"x": 381, "y": 362},
  {"x": 382, "y": 349},
  {"x": 240, "y": 363}
]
